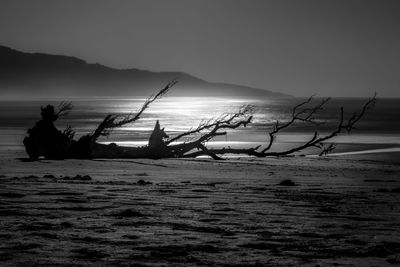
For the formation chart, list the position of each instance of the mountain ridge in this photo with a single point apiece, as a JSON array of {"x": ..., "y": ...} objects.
[{"x": 28, "y": 74}]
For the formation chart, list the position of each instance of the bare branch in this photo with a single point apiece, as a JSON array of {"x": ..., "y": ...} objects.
[
  {"x": 226, "y": 118},
  {"x": 357, "y": 116},
  {"x": 69, "y": 133},
  {"x": 326, "y": 149},
  {"x": 111, "y": 122},
  {"x": 64, "y": 108},
  {"x": 316, "y": 141},
  {"x": 304, "y": 114}
]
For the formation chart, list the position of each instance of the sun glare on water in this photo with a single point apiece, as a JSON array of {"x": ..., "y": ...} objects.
[{"x": 183, "y": 113}]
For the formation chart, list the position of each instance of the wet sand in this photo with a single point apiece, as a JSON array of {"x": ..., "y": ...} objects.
[{"x": 201, "y": 212}]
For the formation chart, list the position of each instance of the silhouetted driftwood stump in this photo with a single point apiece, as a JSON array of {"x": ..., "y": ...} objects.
[{"x": 44, "y": 140}]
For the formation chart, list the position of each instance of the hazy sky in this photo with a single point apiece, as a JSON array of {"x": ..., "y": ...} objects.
[{"x": 299, "y": 47}]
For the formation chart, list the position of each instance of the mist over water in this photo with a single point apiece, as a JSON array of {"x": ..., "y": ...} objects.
[{"x": 178, "y": 114}]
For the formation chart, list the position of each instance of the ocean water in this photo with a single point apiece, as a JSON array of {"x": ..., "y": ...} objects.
[{"x": 177, "y": 114}]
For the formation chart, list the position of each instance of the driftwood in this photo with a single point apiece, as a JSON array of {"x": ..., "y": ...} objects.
[{"x": 192, "y": 143}]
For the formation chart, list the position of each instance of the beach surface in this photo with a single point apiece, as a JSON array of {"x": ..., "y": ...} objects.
[{"x": 341, "y": 210}]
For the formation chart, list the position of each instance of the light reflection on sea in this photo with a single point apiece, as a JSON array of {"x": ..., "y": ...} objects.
[{"x": 179, "y": 114}]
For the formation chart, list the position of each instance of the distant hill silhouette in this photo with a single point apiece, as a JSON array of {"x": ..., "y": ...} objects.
[{"x": 36, "y": 74}]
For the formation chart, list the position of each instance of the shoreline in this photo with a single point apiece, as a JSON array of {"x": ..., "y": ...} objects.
[{"x": 389, "y": 152}]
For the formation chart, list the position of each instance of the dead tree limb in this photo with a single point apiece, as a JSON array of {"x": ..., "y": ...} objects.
[
  {"x": 193, "y": 143},
  {"x": 299, "y": 113},
  {"x": 225, "y": 119},
  {"x": 210, "y": 130},
  {"x": 64, "y": 108},
  {"x": 113, "y": 121},
  {"x": 207, "y": 130}
]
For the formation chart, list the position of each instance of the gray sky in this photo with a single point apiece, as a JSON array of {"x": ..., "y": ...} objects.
[{"x": 331, "y": 48}]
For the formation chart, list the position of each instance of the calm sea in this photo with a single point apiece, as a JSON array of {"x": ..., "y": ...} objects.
[{"x": 177, "y": 114}]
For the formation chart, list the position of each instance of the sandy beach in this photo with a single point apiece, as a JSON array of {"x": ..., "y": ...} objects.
[{"x": 340, "y": 211}]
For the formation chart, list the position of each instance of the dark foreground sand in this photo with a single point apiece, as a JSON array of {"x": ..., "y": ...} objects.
[{"x": 342, "y": 211}]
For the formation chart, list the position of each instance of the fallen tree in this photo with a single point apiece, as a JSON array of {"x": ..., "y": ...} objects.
[{"x": 45, "y": 140}]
